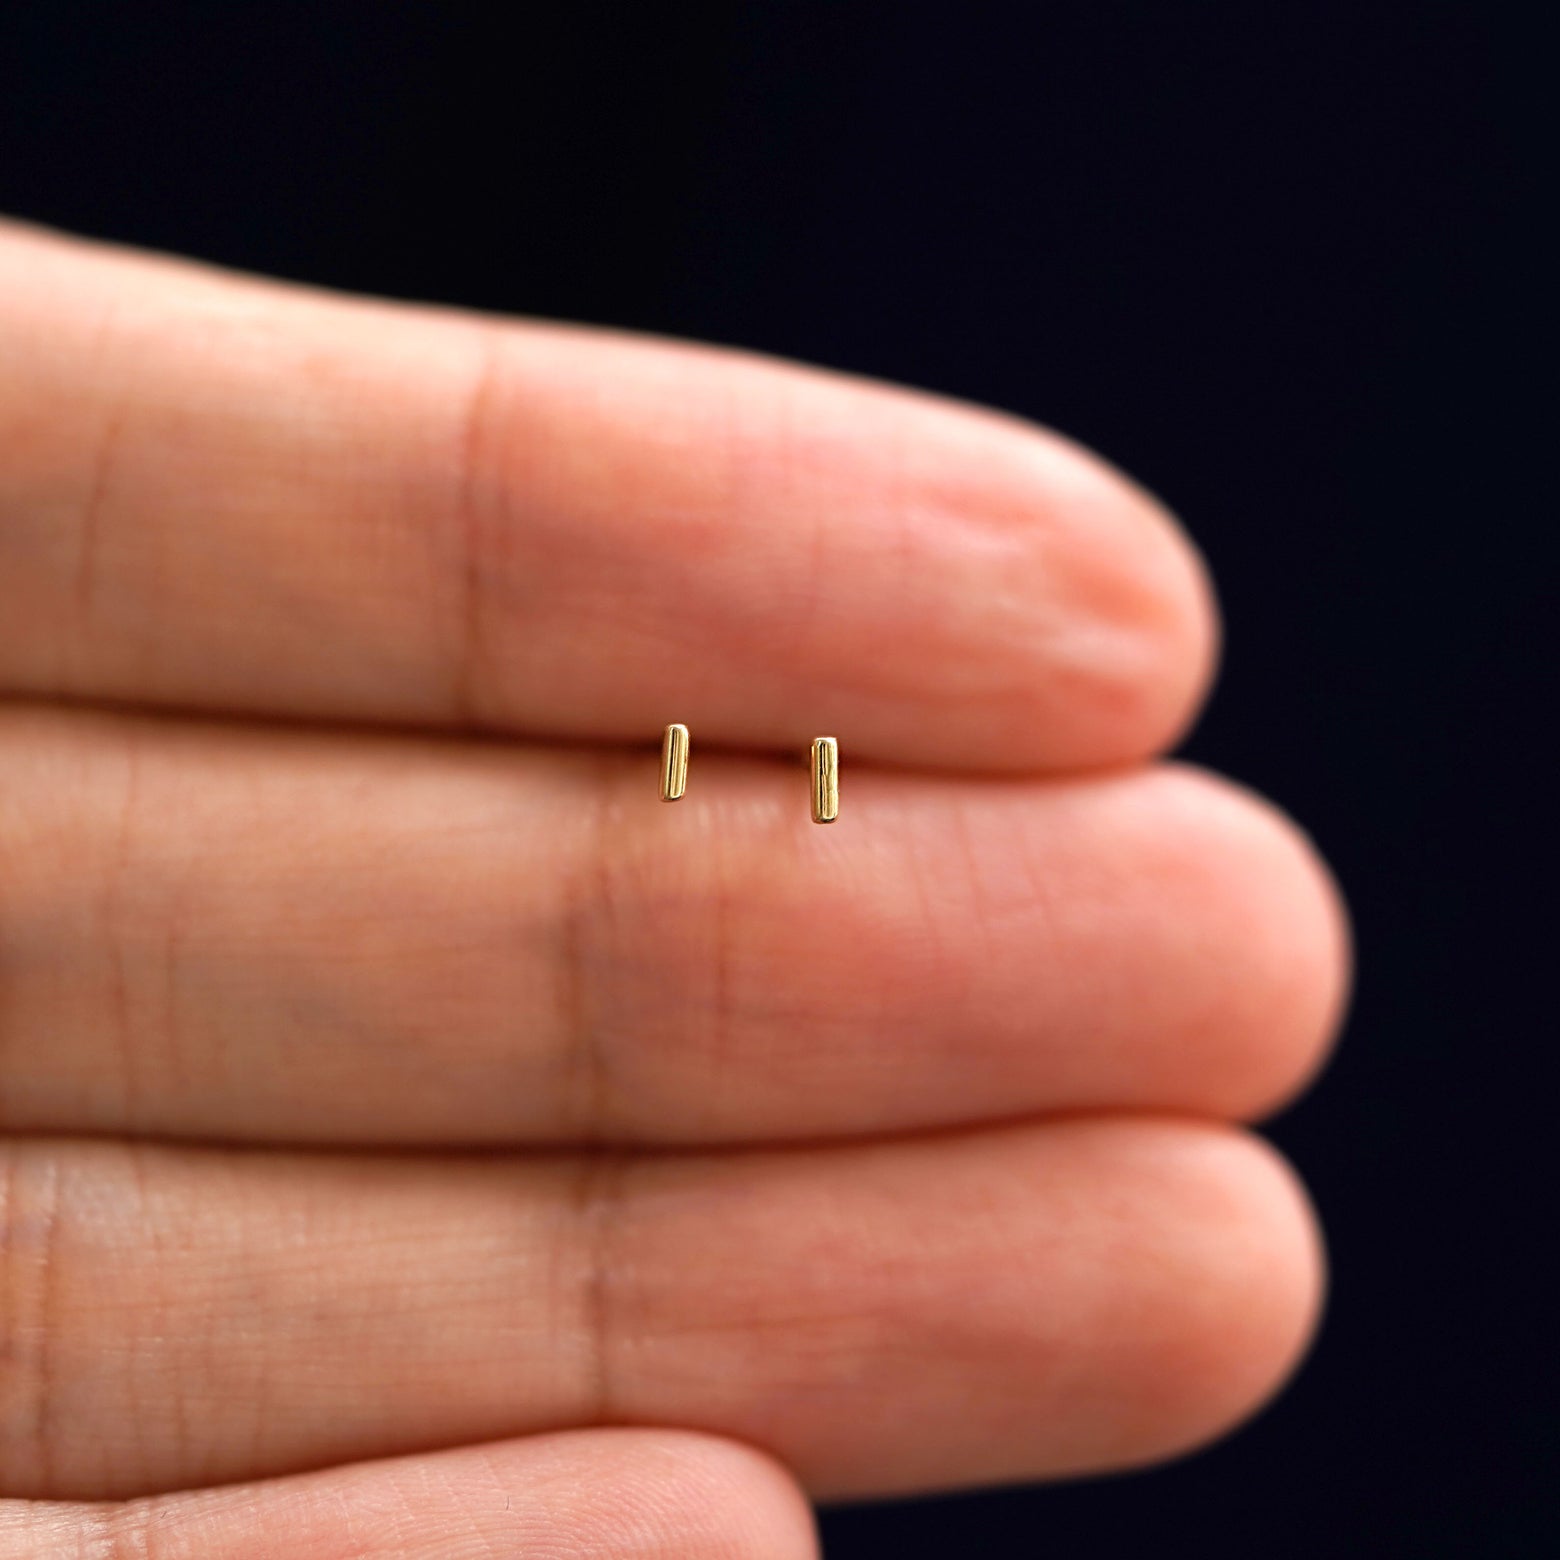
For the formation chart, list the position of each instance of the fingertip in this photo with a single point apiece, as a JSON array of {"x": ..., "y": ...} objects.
[
  {"x": 1086, "y": 636},
  {"x": 1149, "y": 628},
  {"x": 1238, "y": 1306},
  {"x": 1289, "y": 994}
]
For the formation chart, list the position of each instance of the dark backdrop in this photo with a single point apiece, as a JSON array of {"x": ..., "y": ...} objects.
[{"x": 1273, "y": 259}]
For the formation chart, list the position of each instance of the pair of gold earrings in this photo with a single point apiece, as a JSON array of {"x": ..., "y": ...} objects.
[{"x": 825, "y": 761}]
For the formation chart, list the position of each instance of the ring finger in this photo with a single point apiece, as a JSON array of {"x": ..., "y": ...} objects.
[{"x": 1078, "y": 1295}]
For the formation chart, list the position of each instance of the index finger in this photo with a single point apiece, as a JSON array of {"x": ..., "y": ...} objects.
[{"x": 219, "y": 493}]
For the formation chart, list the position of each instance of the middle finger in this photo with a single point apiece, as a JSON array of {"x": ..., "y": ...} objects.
[{"x": 218, "y": 932}]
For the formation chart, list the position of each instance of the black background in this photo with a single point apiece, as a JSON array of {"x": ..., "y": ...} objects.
[{"x": 1281, "y": 263}]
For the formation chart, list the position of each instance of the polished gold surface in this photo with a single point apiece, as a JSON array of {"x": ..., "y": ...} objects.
[
  {"x": 825, "y": 780},
  {"x": 674, "y": 763}
]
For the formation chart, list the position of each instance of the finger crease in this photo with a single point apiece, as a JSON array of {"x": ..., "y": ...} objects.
[
  {"x": 471, "y": 656},
  {"x": 599, "y": 1193},
  {"x": 89, "y": 526},
  {"x": 30, "y": 1209},
  {"x": 588, "y": 908},
  {"x": 126, "y": 1532}
]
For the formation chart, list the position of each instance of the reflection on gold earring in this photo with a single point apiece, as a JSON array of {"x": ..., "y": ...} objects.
[
  {"x": 825, "y": 780},
  {"x": 674, "y": 763}
]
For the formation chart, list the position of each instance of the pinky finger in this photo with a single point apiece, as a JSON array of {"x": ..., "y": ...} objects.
[{"x": 624, "y": 1494}]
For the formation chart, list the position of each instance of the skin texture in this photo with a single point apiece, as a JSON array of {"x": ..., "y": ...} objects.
[
  {"x": 386, "y": 1074},
  {"x": 602, "y": 1495}
]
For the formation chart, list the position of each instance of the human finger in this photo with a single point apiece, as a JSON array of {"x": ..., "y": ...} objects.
[
  {"x": 219, "y": 932},
  {"x": 226, "y": 494},
  {"x": 1015, "y": 1303},
  {"x": 594, "y": 1495}
]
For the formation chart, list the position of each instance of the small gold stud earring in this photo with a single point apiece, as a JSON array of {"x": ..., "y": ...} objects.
[
  {"x": 674, "y": 763},
  {"x": 825, "y": 780}
]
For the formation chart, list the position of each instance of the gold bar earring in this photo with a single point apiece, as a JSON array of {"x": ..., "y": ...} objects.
[
  {"x": 674, "y": 763},
  {"x": 825, "y": 780}
]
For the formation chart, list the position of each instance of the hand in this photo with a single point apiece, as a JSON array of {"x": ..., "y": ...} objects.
[{"x": 401, "y": 1101}]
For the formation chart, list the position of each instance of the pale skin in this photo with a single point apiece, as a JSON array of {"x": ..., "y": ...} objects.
[{"x": 416, "y": 1139}]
